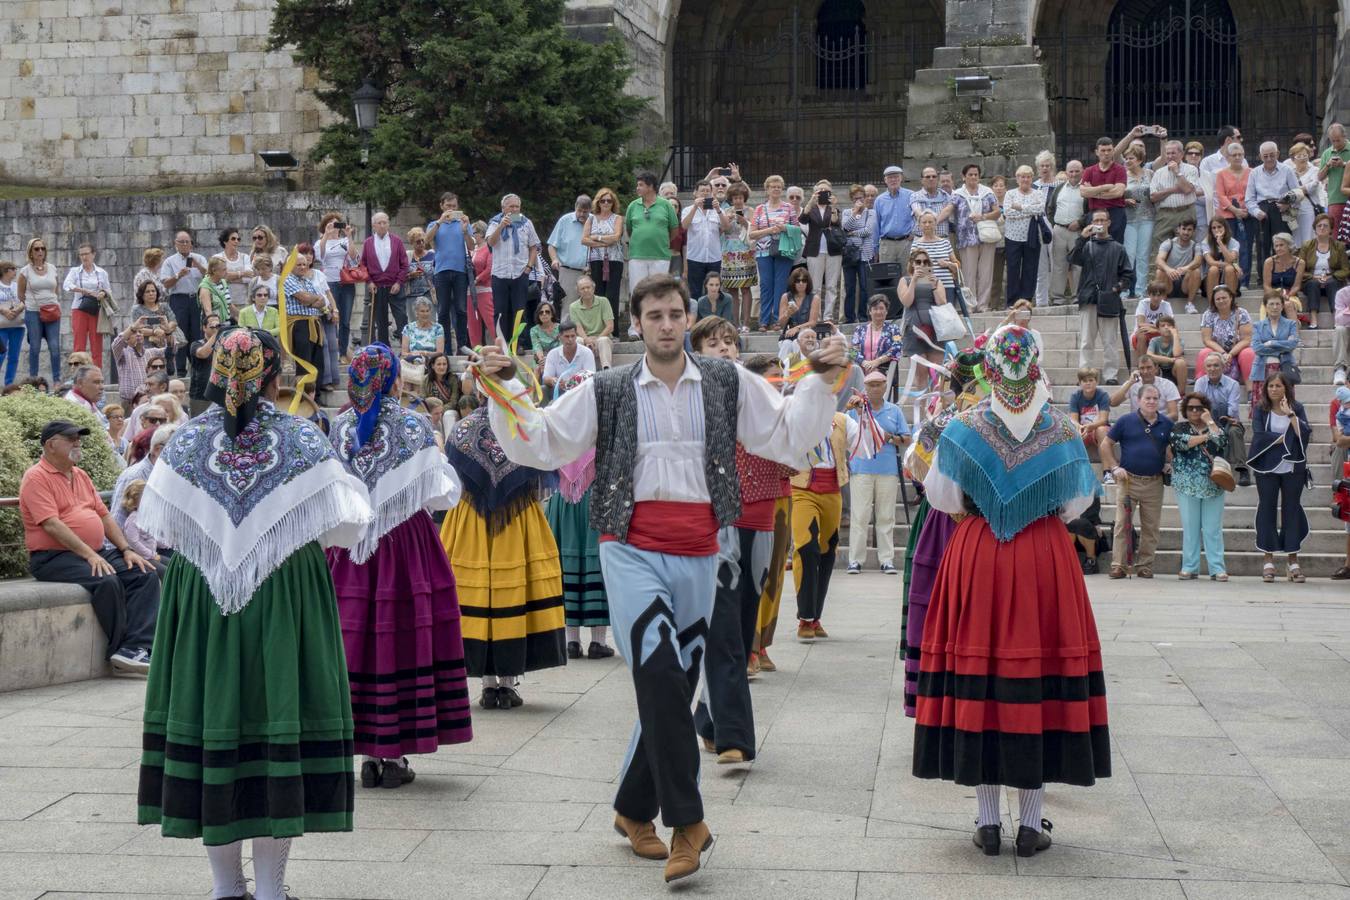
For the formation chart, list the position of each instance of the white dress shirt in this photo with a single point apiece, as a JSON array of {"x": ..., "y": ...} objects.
[
  {"x": 704, "y": 241},
  {"x": 556, "y": 363},
  {"x": 382, "y": 249},
  {"x": 670, "y": 463},
  {"x": 1164, "y": 180},
  {"x": 78, "y": 277}
]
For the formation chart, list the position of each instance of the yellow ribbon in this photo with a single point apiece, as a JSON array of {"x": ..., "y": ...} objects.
[{"x": 303, "y": 381}]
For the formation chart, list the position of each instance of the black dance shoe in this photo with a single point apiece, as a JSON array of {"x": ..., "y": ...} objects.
[
  {"x": 508, "y": 698},
  {"x": 489, "y": 698},
  {"x": 574, "y": 649},
  {"x": 396, "y": 773},
  {"x": 598, "y": 650},
  {"x": 1030, "y": 842},
  {"x": 989, "y": 838},
  {"x": 370, "y": 773}
]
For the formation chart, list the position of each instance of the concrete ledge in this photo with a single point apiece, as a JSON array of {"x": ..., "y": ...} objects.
[{"x": 48, "y": 635}]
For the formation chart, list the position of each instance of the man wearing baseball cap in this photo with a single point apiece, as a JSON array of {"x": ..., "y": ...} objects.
[
  {"x": 895, "y": 219},
  {"x": 65, "y": 525}
]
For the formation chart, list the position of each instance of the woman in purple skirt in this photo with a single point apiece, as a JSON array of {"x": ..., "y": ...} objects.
[{"x": 395, "y": 591}]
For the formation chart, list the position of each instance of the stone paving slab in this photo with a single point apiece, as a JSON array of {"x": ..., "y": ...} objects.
[{"x": 1230, "y": 718}]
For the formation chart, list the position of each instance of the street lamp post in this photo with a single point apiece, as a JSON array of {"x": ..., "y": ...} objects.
[{"x": 366, "y": 102}]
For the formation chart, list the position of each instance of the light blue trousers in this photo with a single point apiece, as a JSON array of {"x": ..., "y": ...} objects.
[
  {"x": 1137, "y": 237},
  {"x": 1201, "y": 519}
]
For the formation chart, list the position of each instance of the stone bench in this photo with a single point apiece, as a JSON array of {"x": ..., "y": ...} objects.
[{"x": 48, "y": 635}]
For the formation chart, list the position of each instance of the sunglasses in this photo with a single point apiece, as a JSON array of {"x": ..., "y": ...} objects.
[
  {"x": 260, "y": 237},
  {"x": 155, "y": 421},
  {"x": 1195, "y": 409},
  {"x": 153, "y": 366}
]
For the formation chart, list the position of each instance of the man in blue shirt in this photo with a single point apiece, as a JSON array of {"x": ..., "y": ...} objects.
[
  {"x": 1142, "y": 441},
  {"x": 873, "y": 482},
  {"x": 565, "y": 250},
  {"x": 1224, "y": 396},
  {"x": 895, "y": 219},
  {"x": 452, "y": 239}
]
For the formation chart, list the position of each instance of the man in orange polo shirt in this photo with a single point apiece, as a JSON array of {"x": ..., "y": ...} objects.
[{"x": 65, "y": 525}]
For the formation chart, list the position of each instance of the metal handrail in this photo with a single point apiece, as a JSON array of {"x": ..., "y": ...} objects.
[{"x": 12, "y": 502}]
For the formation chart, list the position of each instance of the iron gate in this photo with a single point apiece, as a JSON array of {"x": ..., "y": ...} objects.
[
  {"x": 798, "y": 103},
  {"x": 1189, "y": 73}
]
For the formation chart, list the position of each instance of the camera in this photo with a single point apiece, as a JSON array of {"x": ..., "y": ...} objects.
[
  {"x": 340, "y": 225},
  {"x": 708, "y": 202},
  {"x": 725, "y": 173},
  {"x": 824, "y": 329},
  {"x": 826, "y": 196},
  {"x": 153, "y": 321}
]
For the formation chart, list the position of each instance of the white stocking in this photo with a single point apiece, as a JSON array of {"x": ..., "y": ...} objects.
[
  {"x": 269, "y": 867},
  {"x": 227, "y": 870}
]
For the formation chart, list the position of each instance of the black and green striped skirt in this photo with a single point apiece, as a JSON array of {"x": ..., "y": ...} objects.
[
  {"x": 584, "y": 600},
  {"x": 248, "y": 722}
]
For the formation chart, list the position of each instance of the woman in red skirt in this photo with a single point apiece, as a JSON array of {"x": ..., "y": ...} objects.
[{"x": 1010, "y": 687}]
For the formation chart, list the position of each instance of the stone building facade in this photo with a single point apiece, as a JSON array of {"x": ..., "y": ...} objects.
[
  {"x": 157, "y": 93},
  {"x": 146, "y": 93}
]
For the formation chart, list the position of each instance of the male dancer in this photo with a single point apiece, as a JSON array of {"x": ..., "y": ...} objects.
[{"x": 665, "y": 463}]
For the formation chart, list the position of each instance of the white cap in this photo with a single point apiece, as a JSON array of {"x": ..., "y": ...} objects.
[{"x": 893, "y": 170}]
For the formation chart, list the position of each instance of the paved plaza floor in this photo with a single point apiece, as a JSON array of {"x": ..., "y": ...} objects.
[{"x": 1230, "y": 726}]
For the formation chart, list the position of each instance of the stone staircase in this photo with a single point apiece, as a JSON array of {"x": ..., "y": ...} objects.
[{"x": 1324, "y": 550}]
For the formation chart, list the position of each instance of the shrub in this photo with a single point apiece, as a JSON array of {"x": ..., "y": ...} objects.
[{"x": 22, "y": 416}]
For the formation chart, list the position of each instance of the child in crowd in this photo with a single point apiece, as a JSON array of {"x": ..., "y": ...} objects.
[
  {"x": 1090, "y": 410},
  {"x": 141, "y": 541},
  {"x": 1148, "y": 312},
  {"x": 1166, "y": 350}
]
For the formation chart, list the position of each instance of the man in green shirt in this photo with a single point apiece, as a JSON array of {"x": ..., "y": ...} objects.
[
  {"x": 594, "y": 318},
  {"x": 1332, "y": 171},
  {"x": 651, "y": 222}
]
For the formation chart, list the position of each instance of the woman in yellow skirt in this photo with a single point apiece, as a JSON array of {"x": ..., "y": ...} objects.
[{"x": 506, "y": 566}]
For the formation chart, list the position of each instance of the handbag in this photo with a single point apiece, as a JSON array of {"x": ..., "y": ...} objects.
[
  {"x": 852, "y": 255},
  {"x": 49, "y": 313},
  {"x": 988, "y": 231},
  {"x": 1221, "y": 473},
  {"x": 413, "y": 373},
  {"x": 1291, "y": 371},
  {"x": 835, "y": 240},
  {"x": 353, "y": 274},
  {"x": 88, "y": 305},
  {"x": 947, "y": 325}
]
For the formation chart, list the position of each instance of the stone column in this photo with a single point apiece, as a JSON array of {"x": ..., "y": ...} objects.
[{"x": 999, "y": 131}]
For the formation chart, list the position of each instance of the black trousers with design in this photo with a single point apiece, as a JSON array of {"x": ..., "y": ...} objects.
[{"x": 724, "y": 714}]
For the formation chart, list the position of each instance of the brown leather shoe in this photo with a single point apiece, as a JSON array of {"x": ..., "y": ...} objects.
[
  {"x": 642, "y": 835},
  {"x": 767, "y": 665},
  {"x": 708, "y": 745},
  {"x": 752, "y": 665},
  {"x": 1144, "y": 573},
  {"x": 805, "y": 632},
  {"x": 1117, "y": 572},
  {"x": 820, "y": 632},
  {"x": 731, "y": 757},
  {"x": 686, "y": 847}
]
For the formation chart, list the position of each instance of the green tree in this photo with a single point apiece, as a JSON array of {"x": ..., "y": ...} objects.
[{"x": 482, "y": 97}]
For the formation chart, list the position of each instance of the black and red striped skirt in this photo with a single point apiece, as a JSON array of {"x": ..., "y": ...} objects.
[{"x": 1010, "y": 685}]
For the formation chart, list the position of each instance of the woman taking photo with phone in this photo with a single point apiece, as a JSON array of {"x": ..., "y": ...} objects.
[{"x": 919, "y": 292}]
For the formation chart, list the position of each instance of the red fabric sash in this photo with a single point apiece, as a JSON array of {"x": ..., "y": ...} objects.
[
  {"x": 824, "y": 481},
  {"x": 680, "y": 529},
  {"x": 757, "y": 516}
]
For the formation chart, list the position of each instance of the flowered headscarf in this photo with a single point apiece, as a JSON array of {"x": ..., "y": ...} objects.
[
  {"x": 245, "y": 363},
  {"x": 371, "y": 376},
  {"x": 1012, "y": 366}
]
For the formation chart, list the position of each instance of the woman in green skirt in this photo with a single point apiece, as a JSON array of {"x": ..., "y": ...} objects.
[
  {"x": 248, "y": 724},
  {"x": 569, "y": 518}
]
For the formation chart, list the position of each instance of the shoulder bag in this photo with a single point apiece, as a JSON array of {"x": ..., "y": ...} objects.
[
  {"x": 946, "y": 323},
  {"x": 1221, "y": 472}
]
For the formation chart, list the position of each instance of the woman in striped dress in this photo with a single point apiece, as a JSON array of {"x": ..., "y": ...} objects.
[
  {"x": 569, "y": 517},
  {"x": 1010, "y": 685},
  {"x": 603, "y": 236},
  {"x": 946, "y": 265},
  {"x": 506, "y": 565}
]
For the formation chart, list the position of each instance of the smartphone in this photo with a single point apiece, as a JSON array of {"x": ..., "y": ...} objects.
[
  {"x": 741, "y": 213},
  {"x": 708, "y": 202},
  {"x": 153, "y": 321},
  {"x": 824, "y": 330},
  {"x": 725, "y": 173}
]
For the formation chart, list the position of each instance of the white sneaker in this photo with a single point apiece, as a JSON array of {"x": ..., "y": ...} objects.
[
  {"x": 1339, "y": 378},
  {"x": 131, "y": 663},
  {"x": 1190, "y": 308},
  {"x": 1108, "y": 479}
]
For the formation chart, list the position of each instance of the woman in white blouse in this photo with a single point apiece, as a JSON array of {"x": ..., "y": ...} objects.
[{"x": 1022, "y": 210}]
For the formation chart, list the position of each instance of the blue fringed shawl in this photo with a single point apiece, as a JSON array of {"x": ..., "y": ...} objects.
[{"x": 1014, "y": 483}]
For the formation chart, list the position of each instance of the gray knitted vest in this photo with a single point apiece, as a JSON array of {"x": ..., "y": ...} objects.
[{"x": 617, "y": 443}]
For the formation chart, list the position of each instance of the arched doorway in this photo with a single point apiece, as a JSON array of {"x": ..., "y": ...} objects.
[
  {"x": 802, "y": 88},
  {"x": 1263, "y": 65},
  {"x": 1173, "y": 60}
]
